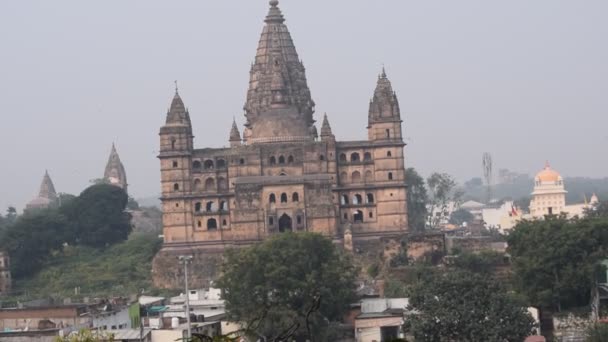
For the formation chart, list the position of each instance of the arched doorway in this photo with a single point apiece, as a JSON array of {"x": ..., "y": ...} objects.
[{"x": 285, "y": 224}]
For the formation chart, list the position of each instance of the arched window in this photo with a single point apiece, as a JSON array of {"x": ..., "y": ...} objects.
[
  {"x": 242, "y": 161},
  {"x": 354, "y": 157},
  {"x": 388, "y": 133},
  {"x": 283, "y": 173},
  {"x": 345, "y": 216},
  {"x": 368, "y": 176},
  {"x": 210, "y": 184},
  {"x": 390, "y": 176},
  {"x": 344, "y": 200},
  {"x": 356, "y": 177},
  {"x": 175, "y": 164},
  {"x": 281, "y": 160},
  {"x": 342, "y": 157},
  {"x": 211, "y": 224},
  {"x": 223, "y": 206},
  {"x": 273, "y": 160},
  {"x": 208, "y": 164},
  {"x": 367, "y": 156},
  {"x": 295, "y": 197},
  {"x": 358, "y": 199},
  {"x": 290, "y": 159},
  {"x": 298, "y": 219},
  {"x": 173, "y": 142},
  {"x": 224, "y": 223},
  {"x": 358, "y": 217},
  {"x": 389, "y": 154},
  {"x": 272, "y": 199},
  {"x": 271, "y": 221},
  {"x": 199, "y": 224},
  {"x": 209, "y": 206},
  {"x": 221, "y": 163},
  {"x": 222, "y": 184},
  {"x": 371, "y": 215},
  {"x": 197, "y": 184},
  {"x": 321, "y": 157},
  {"x": 197, "y": 207},
  {"x": 175, "y": 187},
  {"x": 196, "y": 165},
  {"x": 370, "y": 198},
  {"x": 283, "y": 198}
]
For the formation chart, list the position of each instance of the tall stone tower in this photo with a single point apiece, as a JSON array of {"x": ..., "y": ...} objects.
[
  {"x": 115, "y": 173},
  {"x": 47, "y": 196},
  {"x": 176, "y": 146},
  {"x": 279, "y": 106}
]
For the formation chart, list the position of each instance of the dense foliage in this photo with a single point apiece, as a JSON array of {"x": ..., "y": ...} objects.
[
  {"x": 294, "y": 282},
  {"x": 555, "y": 259},
  {"x": 121, "y": 268},
  {"x": 460, "y": 216},
  {"x": 483, "y": 262},
  {"x": 95, "y": 218},
  {"x": 417, "y": 199},
  {"x": 462, "y": 306}
]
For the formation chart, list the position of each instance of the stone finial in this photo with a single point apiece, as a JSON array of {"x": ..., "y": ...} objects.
[
  {"x": 114, "y": 172},
  {"x": 384, "y": 104},
  {"x": 325, "y": 127},
  {"x": 47, "y": 188},
  {"x": 274, "y": 14},
  {"x": 235, "y": 135},
  {"x": 178, "y": 113}
]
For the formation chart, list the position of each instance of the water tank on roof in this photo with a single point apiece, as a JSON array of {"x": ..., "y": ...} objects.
[{"x": 174, "y": 323}]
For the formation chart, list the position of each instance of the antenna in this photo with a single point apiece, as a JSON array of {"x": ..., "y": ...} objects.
[{"x": 487, "y": 174}]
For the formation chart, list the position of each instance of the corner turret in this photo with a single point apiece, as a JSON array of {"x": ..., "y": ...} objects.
[
  {"x": 235, "y": 135},
  {"x": 384, "y": 122}
]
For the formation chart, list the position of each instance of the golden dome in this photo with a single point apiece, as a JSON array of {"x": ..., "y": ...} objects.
[{"x": 548, "y": 174}]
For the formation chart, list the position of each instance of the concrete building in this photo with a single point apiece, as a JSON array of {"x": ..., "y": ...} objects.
[
  {"x": 549, "y": 196},
  {"x": 281, "y": 175},
  {"x": 381, "y": 319},
  {"x": 44, "y": 317}
]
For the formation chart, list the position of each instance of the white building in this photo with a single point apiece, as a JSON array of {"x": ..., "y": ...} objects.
[{"x": 549, "y": 196}]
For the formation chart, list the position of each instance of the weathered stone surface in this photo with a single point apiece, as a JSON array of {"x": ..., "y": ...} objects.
[{"x": 280, "y": 176}]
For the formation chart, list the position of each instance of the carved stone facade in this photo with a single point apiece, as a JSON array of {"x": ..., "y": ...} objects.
[{"x": 281, "y": 175}]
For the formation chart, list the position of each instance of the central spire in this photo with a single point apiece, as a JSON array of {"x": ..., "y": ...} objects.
[{"x": 278, "y": 90}]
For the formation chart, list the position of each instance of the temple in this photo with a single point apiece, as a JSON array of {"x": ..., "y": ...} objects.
[{"x": 281, "y": 175}]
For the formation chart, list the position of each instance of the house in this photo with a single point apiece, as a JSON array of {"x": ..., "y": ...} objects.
[{"x": 381, "y": 319}]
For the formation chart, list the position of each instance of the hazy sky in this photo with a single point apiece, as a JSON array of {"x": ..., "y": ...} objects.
[{"x": 524, "y": 80}]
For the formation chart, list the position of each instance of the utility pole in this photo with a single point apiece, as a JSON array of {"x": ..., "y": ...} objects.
[{"x": 186, "y": 259}]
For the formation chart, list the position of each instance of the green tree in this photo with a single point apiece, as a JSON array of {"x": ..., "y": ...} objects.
[
  {"x": 417, "y": 199},
  {"x": 482, "y": 262},
  {"x": 30, "y": 240},
  {"x": 460, "y": 216},
  {"x": 462, "y": 306},
  {"x": 98, "y": 215},
  {"x": 441, "y": 190},
  {"x": 554, "y": 259},
  {"x": 597, "y": 333},
  {"x": 293, "y": 283}
]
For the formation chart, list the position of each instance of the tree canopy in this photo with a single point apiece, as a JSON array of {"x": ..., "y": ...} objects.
[
  {"x": 441, "y": 190},
  {"x": 95, "y": 218},
  {"x": 555, "y": 259},
  {"x": 417, "y": 199},
  {"x": 293, "y": 282},
  {"x": 463, "y": 306}
]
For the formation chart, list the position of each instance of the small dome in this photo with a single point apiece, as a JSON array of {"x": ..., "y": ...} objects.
[{"x": 548, "y": 175}]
